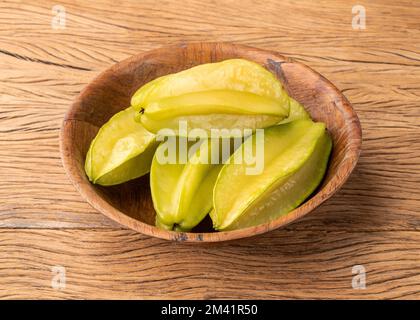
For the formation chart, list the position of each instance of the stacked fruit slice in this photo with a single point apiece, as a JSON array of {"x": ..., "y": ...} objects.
[
  {"x": 234, "y": 93},
  {"x": 295, "y": 159},
  {"x": 182, "y": 192},
  {"x": 122, "y": 150},
  {"x": 236, "y": 97}
]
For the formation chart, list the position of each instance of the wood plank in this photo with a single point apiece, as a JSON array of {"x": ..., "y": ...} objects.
[
  {"x": 281, "y": 264},
  {"x": 100, "y": 34}
]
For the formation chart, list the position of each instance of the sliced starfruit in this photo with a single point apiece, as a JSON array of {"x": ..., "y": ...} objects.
[
  {"x": 217, "y": 109},
  {"x": 232, "y": 74},
  {"x": 121, "y": 151},
  {"x": 295, "y": 160},
  {"x": 233, "y": 94},
  {"x": 297, "y": 112},
  {"x": 182, "y": 192}
]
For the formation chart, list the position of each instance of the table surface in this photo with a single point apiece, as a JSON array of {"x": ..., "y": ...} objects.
[{"x": 374, "y": 221}]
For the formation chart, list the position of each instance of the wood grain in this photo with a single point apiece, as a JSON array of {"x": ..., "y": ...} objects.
[
  {"x": 375, "y": 217},
  {"x": 281, "y": 264}
]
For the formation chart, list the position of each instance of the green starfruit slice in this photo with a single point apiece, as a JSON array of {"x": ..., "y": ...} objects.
[
  {"x": 121, "y": 151},
  {"x": 232, "y": 74},
  {"x": 217, "y": 109},
  {"x": 295, "y": 160},
  {"x": 234, "y": 93},
  {"x": 182, "y": 192},
  {"x": 297, "y": 112}
]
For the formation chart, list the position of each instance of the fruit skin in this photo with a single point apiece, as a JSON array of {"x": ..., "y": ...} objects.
[
  {"x": 232, "y": 74},
  {"x": 229, "y": 109},
  {"x": 295, "y": 160},
  {"x": 121, "y": 151},
  {"x": 182, "y": 193},
  {"x": 297, "y": 112},
  {"x": 188, "y": 93}
]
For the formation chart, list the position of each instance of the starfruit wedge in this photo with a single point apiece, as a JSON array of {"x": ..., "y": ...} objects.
[
  {"x": 182, "y": 192},
  {"x": 232, "y": 94},
  {"x": 217, "y": 109},
  {"x": 122, "y": 150},
  {"x": 295, "y": 160},
  {"x": 297, "y": 112}
]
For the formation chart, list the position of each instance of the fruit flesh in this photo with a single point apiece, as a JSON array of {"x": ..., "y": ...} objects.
[
  {"x": 122, "y": 150},
  {"x": 295, "y": 159},
  {"x": 234, "y": 93},
  {"x": 182, "y": 193}
]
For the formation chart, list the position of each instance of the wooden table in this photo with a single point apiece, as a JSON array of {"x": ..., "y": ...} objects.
[{"x": 374, "y": 221}]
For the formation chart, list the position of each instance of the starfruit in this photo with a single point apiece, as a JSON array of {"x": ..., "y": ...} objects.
[
  {"x": 297, "y": 112},
  {"x": 295, "y": 161},
  {"x": 182, "y": 192},
  {"x": 122, "y": 150},
  {"x": 232, "y": 94}
]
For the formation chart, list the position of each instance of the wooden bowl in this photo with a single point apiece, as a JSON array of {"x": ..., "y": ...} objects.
[{"x": 130, "y": 204}]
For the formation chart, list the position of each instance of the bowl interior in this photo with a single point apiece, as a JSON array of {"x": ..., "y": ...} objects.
[{"x": 130, "y": 203}]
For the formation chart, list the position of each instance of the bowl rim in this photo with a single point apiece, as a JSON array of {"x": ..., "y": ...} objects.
[{"x": 87, "y": 190}]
